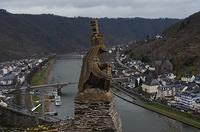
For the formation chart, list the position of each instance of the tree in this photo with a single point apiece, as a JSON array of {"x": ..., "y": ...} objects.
[{"x": 145, "y": 59}]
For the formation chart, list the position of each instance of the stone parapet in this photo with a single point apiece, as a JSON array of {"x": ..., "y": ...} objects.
[{"x": 96, "y": 116}]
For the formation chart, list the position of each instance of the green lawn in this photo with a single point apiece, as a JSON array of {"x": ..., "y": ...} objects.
[
  {"x": 37, "y": 98},
  {"x": 39, "y": 77},
  {"x": 172, "y": 113}
]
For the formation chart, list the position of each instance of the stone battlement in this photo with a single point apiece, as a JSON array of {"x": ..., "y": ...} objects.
[{"x": 96, "y": 116}]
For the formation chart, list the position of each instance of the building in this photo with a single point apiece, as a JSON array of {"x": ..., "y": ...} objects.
[
  {"x": 151, "y": 86},
  {"x": 21, "y": 79},
  {"x": 8, "y": 80},
  {"x": 171, "y": 76},
  {"x": 193, "y": 87},
  {"x": 170, "y": 90},
  {"x": 158, "y": 36},
  {"x": 166, "y": 92},
  {"x": 165, "y": 81},
  {"x": 188, "y": 78},
  {"x": 196, "y": 106},
  {"x": 197, "y": 79},
  {"x": 151, "y": 68},
  {"x": 188, "y": 100},
  {"x": 4, "y": 71}
]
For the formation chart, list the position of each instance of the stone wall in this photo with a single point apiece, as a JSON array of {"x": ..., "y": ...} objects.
[
  {"x": 96, "y": 116},
  {"x": 12, "y": 118}
]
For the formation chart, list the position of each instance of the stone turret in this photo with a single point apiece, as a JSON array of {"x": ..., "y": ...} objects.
[{"x": 94, "y": 106}]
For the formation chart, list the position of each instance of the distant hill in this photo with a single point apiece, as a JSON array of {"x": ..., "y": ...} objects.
[
  {"x": 24, "y": 35},
  {"x": 181, "y": 44}
]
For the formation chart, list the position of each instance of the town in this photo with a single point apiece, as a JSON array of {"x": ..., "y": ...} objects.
[
  {"x": 151, "y": 82},
  {"x": 17, "y": 74},
  {"x": 100, "y": 66},
  {"x": 156, "y": 82}
]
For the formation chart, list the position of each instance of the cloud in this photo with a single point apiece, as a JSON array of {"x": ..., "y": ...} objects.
[{"x": 105, "y": 8}]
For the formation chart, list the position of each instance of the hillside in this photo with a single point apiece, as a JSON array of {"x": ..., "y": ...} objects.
[
  {"x": 181, "y": 45},
  {"x": 24, "y": 35}
]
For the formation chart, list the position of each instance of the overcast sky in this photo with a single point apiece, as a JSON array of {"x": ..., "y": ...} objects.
[{"x": 105, "y": 8}]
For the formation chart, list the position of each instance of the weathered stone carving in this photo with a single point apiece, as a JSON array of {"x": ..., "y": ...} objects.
[
  {"x": 94, "y": 107},
  {"x": 95, "y": 73}
]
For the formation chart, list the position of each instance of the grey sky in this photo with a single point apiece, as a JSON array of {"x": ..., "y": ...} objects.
[{"x": 105, "y": 8}]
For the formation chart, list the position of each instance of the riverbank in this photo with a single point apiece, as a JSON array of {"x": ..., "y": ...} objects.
[
  {"x": 183, "y": 117},
  {"x": 172, "y": 113},
  {"x": 132, "y": 116},
  {"x": 39, "y": 78},
  {"x": 186, "y": 118},
  {"x": 42, "y": 75}
]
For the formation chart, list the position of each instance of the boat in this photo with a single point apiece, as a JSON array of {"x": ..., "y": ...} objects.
[
  {"x": 58, "y": 101},
  {"x": 55, "y": 93},
  {"x": 52, "y": 113}
]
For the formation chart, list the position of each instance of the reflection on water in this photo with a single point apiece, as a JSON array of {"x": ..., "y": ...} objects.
[{"x": 134, "y": 118}]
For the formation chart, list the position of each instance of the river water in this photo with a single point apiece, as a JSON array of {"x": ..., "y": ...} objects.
[{"x": 134, "y": 118}]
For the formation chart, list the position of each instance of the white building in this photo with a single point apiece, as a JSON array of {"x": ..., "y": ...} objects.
[
  {"x": 152, "y": 68},
  {"x": 113, "y": 48},
  {"x": 40, "y": 60},
  {"x": 21, "y": 79},
  {"x": 166, "y": 92},
  {"x": 131, "y": 85},
  {"x": 3, "y": 104},
  {"x": 188, "y": 99},
  {"x": 4, "y": 71},
  {"x": 11, "y": 68},
  {"x": 188, "y": 78},
  {"x": 171, "y": 76},
  {"x": 158, "y": 36},
  {"x": 151, "y": 87}
]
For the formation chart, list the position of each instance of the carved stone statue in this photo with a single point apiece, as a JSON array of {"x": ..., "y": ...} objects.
[
  {"x": 95, "y": 74},
  {"x": 94, "y": 106}
]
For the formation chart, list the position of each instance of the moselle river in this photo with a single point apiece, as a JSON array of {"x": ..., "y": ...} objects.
[{"x": 134, "y": 118}]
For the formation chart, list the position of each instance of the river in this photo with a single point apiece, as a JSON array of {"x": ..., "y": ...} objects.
[{"x": 134, "y": 118}]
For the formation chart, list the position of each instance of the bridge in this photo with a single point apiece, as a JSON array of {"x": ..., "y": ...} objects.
[
  {"x": 51, "y": 85},
  {"x": 70, "y": 56},
  {"x": 58, "y": 86}
]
